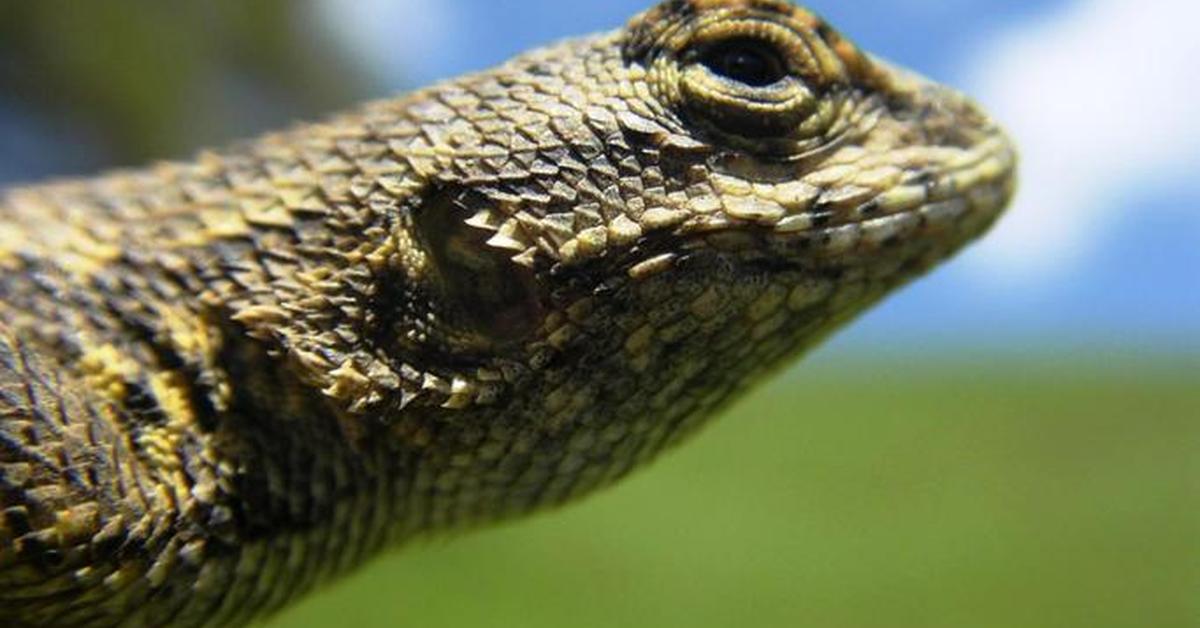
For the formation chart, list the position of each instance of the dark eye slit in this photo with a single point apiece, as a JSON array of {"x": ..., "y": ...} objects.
[{"x": 748, "y": 61}]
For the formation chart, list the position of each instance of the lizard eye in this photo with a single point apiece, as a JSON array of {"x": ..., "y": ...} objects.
[
  {"x": 762, "y": 77},
  {"x": 746, "y": 61},
  {"x": 746, "y": 83}
]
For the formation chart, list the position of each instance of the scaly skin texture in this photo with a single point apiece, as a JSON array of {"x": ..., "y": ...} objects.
[{"x": 224, "y": 382}]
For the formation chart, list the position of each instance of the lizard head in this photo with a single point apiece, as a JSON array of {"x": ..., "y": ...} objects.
[{"x": 614, "y": 233}]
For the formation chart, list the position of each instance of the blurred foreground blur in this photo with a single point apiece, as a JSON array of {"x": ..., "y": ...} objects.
[
  {"x": 128, "y": 81},
  {"x": 855, "y": 495}
]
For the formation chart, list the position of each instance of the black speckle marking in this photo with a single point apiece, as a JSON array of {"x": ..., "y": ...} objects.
[
  {"x": 17, "y": 520},
  {"x": 822, "y": 218}
]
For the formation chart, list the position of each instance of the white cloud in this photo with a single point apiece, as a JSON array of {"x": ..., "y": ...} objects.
[
  {"x": 392, "y": 38},
  {"x": 1103, "y": 98}
]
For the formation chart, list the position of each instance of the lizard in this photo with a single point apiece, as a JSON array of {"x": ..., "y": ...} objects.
[{"x": 226, "y": 381}]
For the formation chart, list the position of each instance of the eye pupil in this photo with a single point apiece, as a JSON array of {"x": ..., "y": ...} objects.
[
  {"x": 747, "y": 66},
  {"x": 746, "y": 62}
]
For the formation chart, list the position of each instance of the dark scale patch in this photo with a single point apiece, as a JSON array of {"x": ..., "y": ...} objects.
[
  {"x": 826, "y": 32},
  {"x": 924, "y": 176},
  {"x": 869, "y": 208},
  {"x": 16, "y": 518},
  {"x": 40, "y": 549},
  {"x": 822, "y": 217},
  {"x": 681, "y": 8},
  {"x": 114, "y": 544},
  {"x": 143, "y": 407}
]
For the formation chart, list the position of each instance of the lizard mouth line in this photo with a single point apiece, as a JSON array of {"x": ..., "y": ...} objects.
[{"x": 951, "y": 209}]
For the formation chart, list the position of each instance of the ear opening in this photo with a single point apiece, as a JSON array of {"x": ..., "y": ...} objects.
[{"x": 484, "y": 292}]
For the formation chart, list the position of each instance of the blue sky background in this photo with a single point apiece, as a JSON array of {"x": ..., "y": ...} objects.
[{"x": 1103, "y": 246}]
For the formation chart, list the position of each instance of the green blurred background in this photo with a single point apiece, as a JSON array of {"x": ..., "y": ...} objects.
[{"x": 985, "y": 450}]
